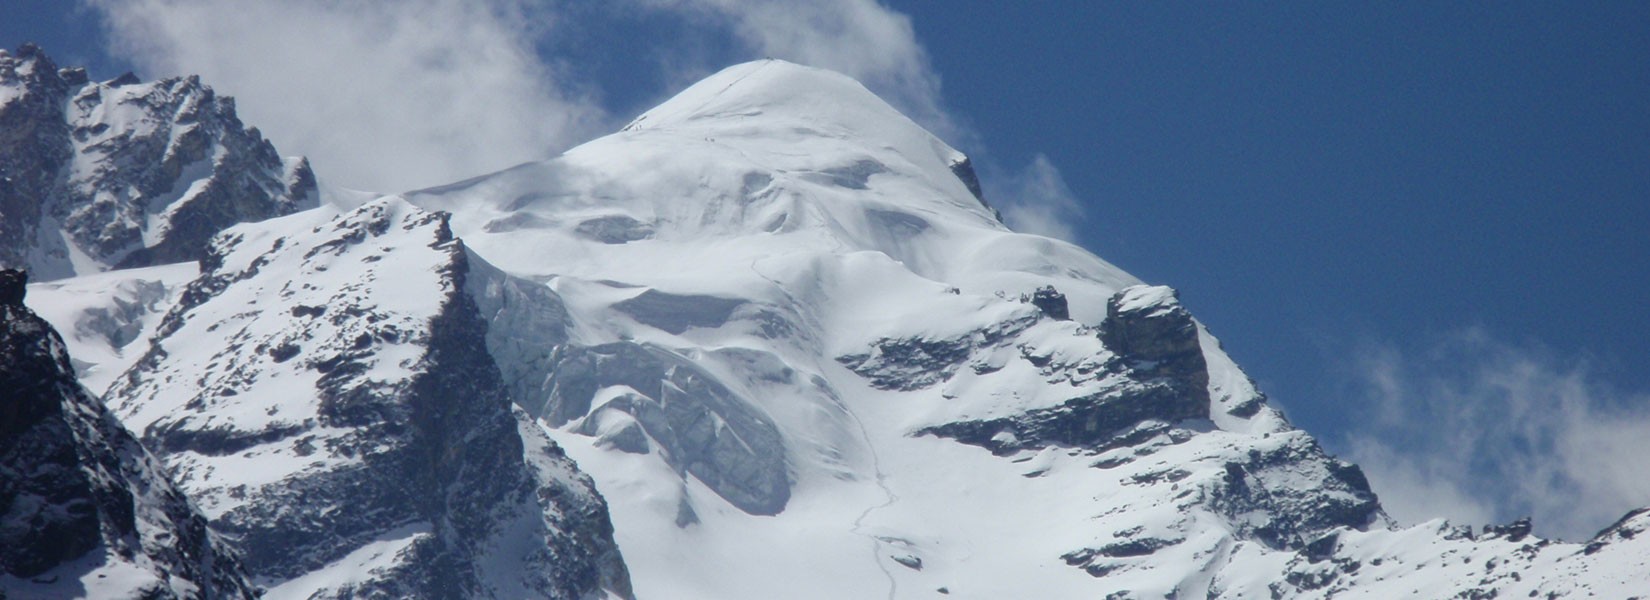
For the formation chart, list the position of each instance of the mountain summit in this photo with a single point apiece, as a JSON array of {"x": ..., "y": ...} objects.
[
  {"x": 767, "y": 341},
  {"x": 773, "y": 103}
]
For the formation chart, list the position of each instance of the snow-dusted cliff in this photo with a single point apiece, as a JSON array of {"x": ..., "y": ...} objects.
[{"x": 85, "y": 511}]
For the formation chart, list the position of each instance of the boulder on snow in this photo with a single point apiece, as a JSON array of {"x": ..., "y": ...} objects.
[{"x": 1051, "y": 302}]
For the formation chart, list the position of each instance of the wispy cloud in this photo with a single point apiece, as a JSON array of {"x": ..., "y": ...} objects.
[
  {"x": 860, "y": 38},
  {"x": 1035, "y": 199},
  {"x": 382, "y": 95},
  {"x": 389, "y": 96},
  {"x": 1478, "y": 430}
]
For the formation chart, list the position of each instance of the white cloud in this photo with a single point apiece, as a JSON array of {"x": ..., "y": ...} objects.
[
  {"x": 1036, "y": 200},
  {"x": 1478, "y": 430},
  {"x": 381, "y": 95}
]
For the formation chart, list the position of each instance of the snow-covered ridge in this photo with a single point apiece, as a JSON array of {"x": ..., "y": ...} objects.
[{"x": 322, "y": 390}]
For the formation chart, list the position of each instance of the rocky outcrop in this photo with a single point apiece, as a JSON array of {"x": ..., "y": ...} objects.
[
  {"x": 1156, "y": 339},
  {"x": 124, "y": 173},
  {"x": 1051, "y": 302},
  {"x": 963, "y": 168},
  {"x": 1263, "y": 497},
  {"x": 84, "y": 509},
  {"x": 914, "y": 363},
  {"x": 1159, "y": 379},
  {"x": 13, "y": 286}
]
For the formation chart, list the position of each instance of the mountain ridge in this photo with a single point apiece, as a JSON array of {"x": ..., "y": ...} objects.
[{"x": 121, "y": 174}]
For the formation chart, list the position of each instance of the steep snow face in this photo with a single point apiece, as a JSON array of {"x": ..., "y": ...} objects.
[
  {"x": 803, "y": 359},
  {"x": 323, "y": 391},
  {"x": 85, "y": 511},
  {"x": 124, "y": 173}
]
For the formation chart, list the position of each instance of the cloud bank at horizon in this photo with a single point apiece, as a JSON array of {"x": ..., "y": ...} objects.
[{"x": 1479, "y": 431}]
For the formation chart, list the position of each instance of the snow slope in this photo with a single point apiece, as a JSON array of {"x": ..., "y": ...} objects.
[{"x": 107, "y": 318}]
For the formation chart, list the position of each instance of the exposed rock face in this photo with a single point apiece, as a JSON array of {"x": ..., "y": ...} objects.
[
  {"x": 84, "y": 509},
  {"x": 13, "y": 286},
  {"x": 1157, "y": 339},
  {"x": 1149, "y": 328},
  {"x": 122, "y": 173},
  {"x": 963, "y": 168},
  {"x": 914, "y": 363},
  {"x": 324, "y": 389},
  {"x": 1265, "y": 501},
  {"x": 1155, "y": 363}
]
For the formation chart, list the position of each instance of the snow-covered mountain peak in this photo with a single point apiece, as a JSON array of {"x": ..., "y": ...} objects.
[
  {"x": 780, "y": 169},
  {"x": 779, "y": 100},
  {"x": 777, "y": 325},
  {"x": 793, "y": 118},
  {"x": 783, "y": 306}
]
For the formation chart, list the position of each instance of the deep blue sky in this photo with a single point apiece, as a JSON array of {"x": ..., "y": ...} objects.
[
  {"x": 1320, "y": 175},
  {"x": 1314, "y": 177}
]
